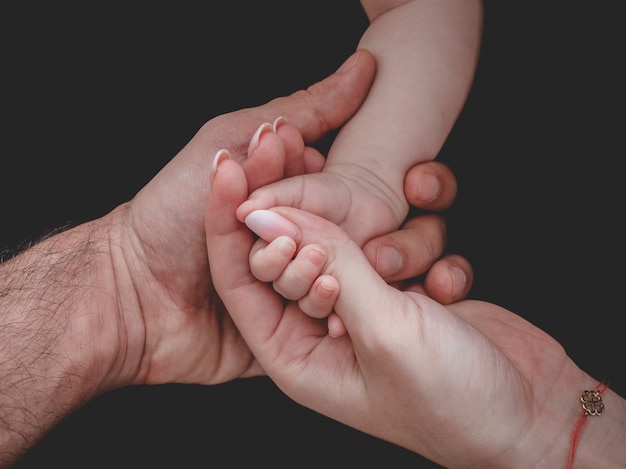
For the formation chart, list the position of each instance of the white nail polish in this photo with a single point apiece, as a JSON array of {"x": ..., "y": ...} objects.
[
  {"x": 280, "y": 120},
  {"x": 268, "y": 225},
  {"x": 219, "y": 156},
  {"x": 254, "y": 142}
]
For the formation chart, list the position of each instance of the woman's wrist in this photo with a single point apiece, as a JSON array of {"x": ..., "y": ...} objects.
[
  {"x": 553, "y": 439},
  {"x": 601, "y": 442}
]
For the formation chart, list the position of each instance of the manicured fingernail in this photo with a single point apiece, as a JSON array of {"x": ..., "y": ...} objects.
[
  {"x": 388, "y": 261},
  {"x": 427, "y": 188},
  {"x": 254, "y": 142},
  {"x": 220, "y": 156},
  {"x": 269, "y": 225},
  {"x": 349, "y": 63},
  {"x": 280, "y": 120}
]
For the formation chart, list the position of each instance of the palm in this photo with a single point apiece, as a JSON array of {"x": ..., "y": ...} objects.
[
  {"x": 530, "y": 350},
  {"x": 189, "y": 335}
]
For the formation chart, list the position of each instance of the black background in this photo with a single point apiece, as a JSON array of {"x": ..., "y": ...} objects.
[{"x": 96, "y": 99}]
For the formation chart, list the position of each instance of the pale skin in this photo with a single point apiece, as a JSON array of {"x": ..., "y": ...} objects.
[
  {"x": 128, "y": 298},
  {"x": 468, "y": 385},
  {"x": 426, "y": 52}
]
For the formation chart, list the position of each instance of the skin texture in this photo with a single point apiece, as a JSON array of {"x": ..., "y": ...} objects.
[
  {"x": 539, "y": 209},
  {"x": 269, "y": 146},
  {"x": 128, "y": 298},
  {"x": 468, "y": 385}
]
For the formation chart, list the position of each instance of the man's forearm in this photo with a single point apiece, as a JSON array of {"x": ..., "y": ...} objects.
[{"x": 51, "y": 334}]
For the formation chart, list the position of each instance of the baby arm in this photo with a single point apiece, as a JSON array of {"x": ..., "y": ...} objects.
[{"x": 426, "y": 54}]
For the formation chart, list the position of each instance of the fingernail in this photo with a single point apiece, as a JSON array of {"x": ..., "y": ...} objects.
[
  {"x": 269, "y": 225},
  {"x": 427, "y": 188},
  {"x": 388, "y": 261},
  {"x": 327, "y": 288},
  {"x": 280, "y": 120},
  {"x": 316, "y": 256},
  {"x": 254, "y": 142},
  {"x": 348, "y": 64},
  {"x": 459, "y": 280},
  {"x": 220, "y": 156},
  {"x": 286, "y": 246}
]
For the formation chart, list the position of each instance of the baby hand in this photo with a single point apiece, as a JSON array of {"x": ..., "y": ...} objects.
[
  {"x": 296, "y": 273},
  {"x": 350, "y": 196}
]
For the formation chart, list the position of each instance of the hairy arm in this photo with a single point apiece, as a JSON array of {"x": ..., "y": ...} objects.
[{"x": 56, "y": 343}]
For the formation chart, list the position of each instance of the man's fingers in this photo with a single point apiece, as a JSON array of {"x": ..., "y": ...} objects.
[
  {"x": 450, "y": 279},
  {"x": 322, "y": 107},
  {"x": 409, "y": 251},
  {"x": 430, "y": 186},
  {"x": 328, "y": 104},
  {"x": 417, "y": 250}
]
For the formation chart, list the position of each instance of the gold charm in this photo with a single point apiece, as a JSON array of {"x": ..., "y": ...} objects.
[{"x": 592, "y": 403}]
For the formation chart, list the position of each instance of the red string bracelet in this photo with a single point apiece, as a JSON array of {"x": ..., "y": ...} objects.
[{"x": 592, "y": 405}]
